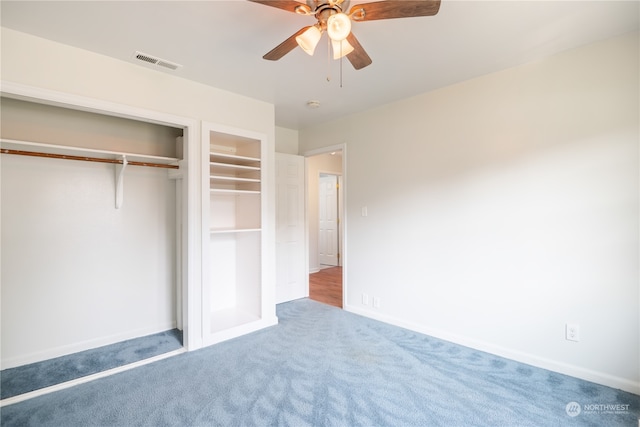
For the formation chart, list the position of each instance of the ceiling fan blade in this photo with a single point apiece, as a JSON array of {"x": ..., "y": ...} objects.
[
  {"x": 288, "y": 5},
  {"x": 285, "y": 47},
  {"x": 358, "y": 58},
  {"x": 395, "y": 9}
]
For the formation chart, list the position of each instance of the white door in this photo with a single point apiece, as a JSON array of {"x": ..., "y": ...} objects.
[
  {"x": 328, "y": 218},
  {"x": 291, "y": 278}
]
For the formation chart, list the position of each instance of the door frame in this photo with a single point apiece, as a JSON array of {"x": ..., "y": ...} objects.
[
  {"x": 343, "y": 210},
  {"x": 188, "y": 243}
]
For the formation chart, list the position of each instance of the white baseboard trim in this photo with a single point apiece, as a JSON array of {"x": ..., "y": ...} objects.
[
  {"x": 67, "y": 349},
  {"x": 238, "y": 331},
  {"x": 518, "y": 356},
  {"x": 92, "y": 377}
]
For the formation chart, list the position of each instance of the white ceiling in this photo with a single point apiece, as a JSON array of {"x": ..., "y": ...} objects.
[{"x": 221, "y": 43}]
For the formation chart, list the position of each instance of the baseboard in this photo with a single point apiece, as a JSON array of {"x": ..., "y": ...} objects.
[
  {"x": 518, "y": 356},
  {"x": 62, "y": 386},
  {"x": 238, "y": 331},
  {"x": 64, "y": 350}
]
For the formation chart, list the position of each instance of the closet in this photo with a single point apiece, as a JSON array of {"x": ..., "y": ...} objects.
[
  {"x": 91, "y": 229},
  {"x": 239, "y": 290}
]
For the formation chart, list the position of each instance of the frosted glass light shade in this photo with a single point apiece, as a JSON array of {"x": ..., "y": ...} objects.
[
  {"x": 309, "y": 39},
  {"x": 338, "y": 26},
  {"x": 341, "y": 48}
]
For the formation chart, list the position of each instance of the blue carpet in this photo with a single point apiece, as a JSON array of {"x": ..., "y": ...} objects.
[
  {"x": 322, "y": 366},
  {"x": 23, "y": 379}
]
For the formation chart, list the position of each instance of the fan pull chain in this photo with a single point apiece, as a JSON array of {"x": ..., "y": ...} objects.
[
  {"x": 328, "y": 59},
  {"x": 341, "y": 64}
]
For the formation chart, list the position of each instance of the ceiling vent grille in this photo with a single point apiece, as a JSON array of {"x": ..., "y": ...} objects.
[{"x": 144, "y": 57}]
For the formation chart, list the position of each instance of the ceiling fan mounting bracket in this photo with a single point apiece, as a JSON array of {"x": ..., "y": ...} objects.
[
  {"x": 317, "y": 7},
  {"x": 317, "y": 4}
]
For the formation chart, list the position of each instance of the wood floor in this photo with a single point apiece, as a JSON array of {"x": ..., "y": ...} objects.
[{"x": 326, "y": 286}]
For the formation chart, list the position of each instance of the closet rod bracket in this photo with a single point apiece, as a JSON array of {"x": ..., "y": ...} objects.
[{"x": 120, "y": 168}]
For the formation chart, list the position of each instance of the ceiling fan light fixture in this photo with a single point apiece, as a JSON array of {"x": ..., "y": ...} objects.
[
  {"x": 309, "y": 39},
  {"x": 341, "y": 48},
  {"x": 338, "y": 26}
]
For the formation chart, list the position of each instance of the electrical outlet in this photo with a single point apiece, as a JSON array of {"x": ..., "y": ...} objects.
[
  {"x": 572, "y": 332},
  {"x": 365, "y": 299},
  {"x": 376, "y": 302}
]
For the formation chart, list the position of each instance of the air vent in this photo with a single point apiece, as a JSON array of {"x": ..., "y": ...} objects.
[{"x": 156, "y": 61}]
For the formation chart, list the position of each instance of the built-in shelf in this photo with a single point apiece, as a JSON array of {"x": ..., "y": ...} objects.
[
  {"x": 233, "y": 230},
  {"x": 223, "y": 191},
  {"x": 235, "y": 173},
  {"x": 233, "y": 166},
  {"x": 232, "y": 178},
  {"x": 236, "y": 288},
  {"x": 233, "y": 159}
]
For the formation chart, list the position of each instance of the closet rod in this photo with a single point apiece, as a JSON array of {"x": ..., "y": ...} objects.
[{"x": 86, "y": 159}]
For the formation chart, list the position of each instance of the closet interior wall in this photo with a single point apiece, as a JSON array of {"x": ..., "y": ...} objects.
[{"x": 77, "y": 273}]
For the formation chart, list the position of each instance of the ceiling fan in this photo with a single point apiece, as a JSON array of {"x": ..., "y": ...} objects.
[{"x": 333, "y": 18}]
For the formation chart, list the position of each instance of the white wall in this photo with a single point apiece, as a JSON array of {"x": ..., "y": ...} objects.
[
  {"x": 71, "y": 70},
  {"x": 503, "y": 207},
  {"x": 76, "y": 272},
  {"x": 286, "y": 140},
  {"x": 22, "y": 120},
  {"x": 40, "y": 63}
]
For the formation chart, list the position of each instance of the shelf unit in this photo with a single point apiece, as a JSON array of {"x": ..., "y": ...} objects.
[{"x": 235, "y": 301}]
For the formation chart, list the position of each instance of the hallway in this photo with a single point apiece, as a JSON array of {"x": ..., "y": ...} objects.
[{"x": 326, "y": 286}]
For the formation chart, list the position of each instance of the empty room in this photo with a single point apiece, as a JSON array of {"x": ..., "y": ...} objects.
[{"x": 320, "y": 213}]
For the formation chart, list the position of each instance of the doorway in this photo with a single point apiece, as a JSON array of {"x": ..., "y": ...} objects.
[{"x": 326, "y": 225}]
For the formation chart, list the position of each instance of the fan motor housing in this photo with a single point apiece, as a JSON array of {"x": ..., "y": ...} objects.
[
  {"x": 320, "y": 5},
  {"x": 323, "y": 10}
]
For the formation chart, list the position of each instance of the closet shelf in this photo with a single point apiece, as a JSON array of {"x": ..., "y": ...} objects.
[
  {"x": 39, "y": 149},
  {"x": 233, "y": 178},
  {"x": 232, "y": 191},
  {"x": 232, "y": 166},
  {"x": 233, "y": 159},
  {"x": 233, "y": 230}
]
